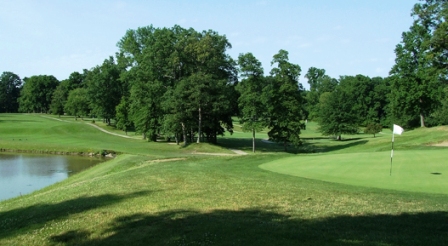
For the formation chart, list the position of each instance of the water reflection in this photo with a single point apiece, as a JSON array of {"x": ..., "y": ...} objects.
[{"x": 23, "y": 173}]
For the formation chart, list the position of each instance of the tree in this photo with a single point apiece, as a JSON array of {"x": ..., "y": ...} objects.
[
  {"x": 160, "y": 60},
  {"x": 105, "y": 89},
  {"x": 123, "y": 122},
  {"x": 319, "y": 83},
  {"x": 77, "y": 80},
  {"x": 337, "y": 115},
  {"x": 419, "y": 75},
  {"x": 37, "y": 92},
  {"x": 284, "y": 100},
  {"x": 207, "y": 58},
  {"x": 10, "y": 85},
  {"x": 379, "y": 107},
  {"x": 152, "y": 65},
  {"x": 78, "y": 103},
  {"x": 59, "y": 98},
  {"x": 373, "y": 128},
  {"x": 252, "y": 110}
]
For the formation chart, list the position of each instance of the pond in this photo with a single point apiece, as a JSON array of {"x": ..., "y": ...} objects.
[{"x": 21, "y": 174}]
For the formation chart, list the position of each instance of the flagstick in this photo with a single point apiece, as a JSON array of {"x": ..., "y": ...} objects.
[{"x": 391, "y": 154}]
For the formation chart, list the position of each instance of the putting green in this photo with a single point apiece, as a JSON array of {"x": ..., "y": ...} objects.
[{"x": 416, "y": 170}]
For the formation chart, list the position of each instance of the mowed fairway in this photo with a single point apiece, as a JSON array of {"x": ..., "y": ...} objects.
[{"x": 418, "y": 170}]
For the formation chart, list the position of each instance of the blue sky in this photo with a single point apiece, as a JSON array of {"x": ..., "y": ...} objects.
[{"x": 344, "y": 37}]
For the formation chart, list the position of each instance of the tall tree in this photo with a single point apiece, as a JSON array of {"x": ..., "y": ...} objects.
[
  {"x": 252, "y": 109},
  {"x": 37, "y": 92},
  {"x": 284, "y": 100},
  {"x": 123, "y": 122},
  {"x": 105, "y": 89},
  {"x": 152, "y": 66},
  {"x": 59, "y": 98},
  {"x": 207, "y": 58},
  {"x": 10, "y": 85},
  {"x": 160, "y": 60},
  {"x": 419, "y": 76},
  {"x": 319, "y": 83}
]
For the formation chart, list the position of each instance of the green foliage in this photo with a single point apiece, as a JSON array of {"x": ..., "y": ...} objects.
[
  {"x": 123, "y": 122},
  {"x": 319, "y": 83},
  {"x": 159, "y": 61},
  {"x": 10, "y": 85},
  {"x": 105, "y": 89},
  {"x": 373, "y": 128},
  {"x": 284, "y": 99},
  {"x": 78, "y": 103},
  {"x": 252, "y": 109},
  {"x": 337, "y": 115},
  {"x": 59, "y": 98},
  {"x": 419, "y": 77},
  {"x": 36, "y": 94}
]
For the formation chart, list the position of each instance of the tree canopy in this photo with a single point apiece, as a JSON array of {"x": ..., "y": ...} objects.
[
  {"x": 10, "y": 85},
  {"x": 37, "y": 92}
]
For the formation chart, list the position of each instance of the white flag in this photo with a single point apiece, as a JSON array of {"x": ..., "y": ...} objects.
[{"x": 398, "y": 129}]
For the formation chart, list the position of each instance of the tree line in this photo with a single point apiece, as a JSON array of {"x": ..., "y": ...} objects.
[{"x": 181, "y": 83}]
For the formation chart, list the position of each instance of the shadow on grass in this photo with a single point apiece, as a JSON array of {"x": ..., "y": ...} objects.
[
  {"x": 321, "y": 148},
  {"x": 32, "y": 217},
  {"x": 307, "y": 147},
  {"x": 260, "y": 145},
  {"x": 259, "y": 227}
]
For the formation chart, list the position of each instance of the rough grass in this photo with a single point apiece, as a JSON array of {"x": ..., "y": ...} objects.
[{"x": 166, "y": 197}]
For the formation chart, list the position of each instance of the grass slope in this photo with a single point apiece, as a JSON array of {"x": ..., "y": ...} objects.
[
  {"x": 166, "y": 197},
  {"x": 41, "y": 133}
]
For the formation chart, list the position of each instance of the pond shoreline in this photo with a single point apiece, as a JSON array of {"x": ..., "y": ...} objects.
[{"x": 104, "y": 153}]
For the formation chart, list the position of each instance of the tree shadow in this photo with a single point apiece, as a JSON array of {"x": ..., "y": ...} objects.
[
  {"x": 35, "y": 216},
  {"x": 324, "y": 148},
  {"x": 261, "y": 145},
  {"x": 307, "y": 146},
  {"x": 260, "y": 227}
]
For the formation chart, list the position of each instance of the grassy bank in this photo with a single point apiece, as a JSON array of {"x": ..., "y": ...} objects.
[{"x": 168, "y": 196}]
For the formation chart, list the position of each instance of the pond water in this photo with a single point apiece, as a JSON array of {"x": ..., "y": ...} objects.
[{"x": 21, "y": 174}]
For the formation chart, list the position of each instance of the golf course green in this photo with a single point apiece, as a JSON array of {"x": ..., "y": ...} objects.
[
  {"x": 325, "y": 192},
  {"x": 417, "y": 170}
]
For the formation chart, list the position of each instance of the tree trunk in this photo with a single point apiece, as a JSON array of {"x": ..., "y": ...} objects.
[
  {"x": 422, "y": 120},
  {"x": 199, "y": 125},
  {"x": 144, "y": 136},
  {"x": 184, "y": 132},
  {"x": 422, "y": 117},
  {"x": 177, "y": 138},
  {"x": 253, "y": 140}
]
